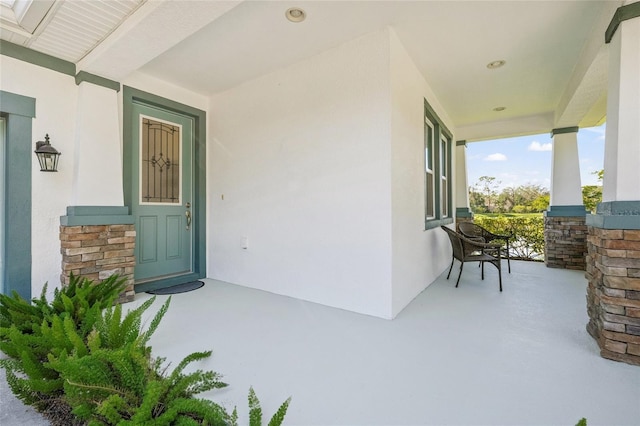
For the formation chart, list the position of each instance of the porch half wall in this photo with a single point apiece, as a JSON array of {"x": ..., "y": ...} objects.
[{"x": 301, "y": 175}]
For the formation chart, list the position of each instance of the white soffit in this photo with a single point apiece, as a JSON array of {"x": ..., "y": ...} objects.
[
  {"x": 153, "y": 29},
  {"x": 77, "y": 27}
]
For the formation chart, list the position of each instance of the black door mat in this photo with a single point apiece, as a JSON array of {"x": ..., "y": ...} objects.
[{"x": 178, "y": 288}]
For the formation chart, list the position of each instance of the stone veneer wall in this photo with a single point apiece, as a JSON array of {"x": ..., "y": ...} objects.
[
  {"x": 613, "y": 293},
  {"x": 565, "y": 242},
  {"x": 98, "y": 251}
]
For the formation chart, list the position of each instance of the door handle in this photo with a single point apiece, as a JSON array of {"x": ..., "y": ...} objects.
[{"x": 188, "y": 214}]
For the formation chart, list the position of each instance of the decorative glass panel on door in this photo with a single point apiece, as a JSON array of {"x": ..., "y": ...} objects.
[{"x": 160, "y": 148}]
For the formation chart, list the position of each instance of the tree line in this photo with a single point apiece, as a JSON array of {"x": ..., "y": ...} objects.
[{"x": 485, "y": 196}]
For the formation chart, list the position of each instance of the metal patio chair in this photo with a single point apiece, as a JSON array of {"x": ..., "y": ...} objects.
[
  {"x": 468, "y": 250},
  {"x": 473, "y": 231}
]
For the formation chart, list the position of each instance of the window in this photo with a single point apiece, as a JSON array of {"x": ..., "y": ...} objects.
[
  {"x": 428, "y": 166},
  {"x": 437, "y": 162},
  {"x": 444, "y": 176}
]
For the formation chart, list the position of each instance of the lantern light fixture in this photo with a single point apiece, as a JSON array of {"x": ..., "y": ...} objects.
[{"x": 47, "y": 155}]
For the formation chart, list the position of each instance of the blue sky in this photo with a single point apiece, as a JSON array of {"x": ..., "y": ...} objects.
[{"x": 527, "y": 159}]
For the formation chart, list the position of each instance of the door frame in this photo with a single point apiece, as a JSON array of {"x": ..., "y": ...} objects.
[
  {"x": 131, "y": 95},
  {"x": 18, "y": 112}
]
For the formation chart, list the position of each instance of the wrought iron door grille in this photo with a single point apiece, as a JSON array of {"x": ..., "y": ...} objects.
[{"x": 160, "y": 162}]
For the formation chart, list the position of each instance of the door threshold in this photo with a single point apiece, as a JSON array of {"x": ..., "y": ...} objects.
[
  {"x": 164, "y": 281},
  {"x": 161, "y": 277}
]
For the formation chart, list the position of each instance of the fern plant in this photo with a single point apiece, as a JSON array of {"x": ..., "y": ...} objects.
[
  {"x": 84, "y": 361},
  {"x": 255, "y": 411},
  {"x": 29, "y": 332},
  {"x": 126, "y": 387},
  {"x": 115, "y": 381}
]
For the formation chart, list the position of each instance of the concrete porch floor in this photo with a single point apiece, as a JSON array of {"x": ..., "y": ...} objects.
[{"x": 466, "y": 356}]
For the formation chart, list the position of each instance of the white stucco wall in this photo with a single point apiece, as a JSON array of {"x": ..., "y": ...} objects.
[
  {"x": 302, "y": 164},
  {"x": 97, "y": 177},
  {"x": 56, "y": 107},
  {"x": 418, "y": 256},
  {"x": 300, "y": 167}
]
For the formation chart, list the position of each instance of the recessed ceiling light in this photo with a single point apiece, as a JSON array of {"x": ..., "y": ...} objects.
[
  {"x": 498, "y": 109},
  {"x": 295, "y": 14},
  {"x": 496, "y": 64}
]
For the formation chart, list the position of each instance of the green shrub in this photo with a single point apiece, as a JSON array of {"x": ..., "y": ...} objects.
[
  {"x": 528, "y": 231},
  {"x": 29, "y": 332}
]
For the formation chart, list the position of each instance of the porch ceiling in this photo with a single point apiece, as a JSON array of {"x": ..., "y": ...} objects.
[{"x": 555, "y": 72}]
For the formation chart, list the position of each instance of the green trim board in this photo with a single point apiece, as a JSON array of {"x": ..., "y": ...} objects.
[
  {"x": 435, "y": 117},
  {"x": 619, "y": 208},
  {"x": 83, "y": 76},
  {"x": 566, "y": 211},
  {"x": 613, "y": 222},
  {"x": 463, "y": 212},
  {"x": 131, "y": 95},
  {"x": 461, "y": 143},
  {"x": 37, "y": 58},
  {"x": 96, "y": 215},
  {"x": 616, "y": 215},
  {"x": 13, "y": 103},
  {"x": 18, "y": 112},
  {"x": 622, "y": 14},
  {"x": 97, "y": 210},
  {"x": 563, "y": 130},
  {"x": 436, "y": 223},
  {"x": 55, "y": 64}
]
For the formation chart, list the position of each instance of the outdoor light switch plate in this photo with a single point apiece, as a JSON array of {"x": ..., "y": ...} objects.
[{"x": 244, "y": 243}]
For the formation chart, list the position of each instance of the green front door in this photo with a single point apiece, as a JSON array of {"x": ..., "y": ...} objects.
[{"x": 162, "y": 193}]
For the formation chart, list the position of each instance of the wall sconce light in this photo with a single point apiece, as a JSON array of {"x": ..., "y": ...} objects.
[{"x": 47, "y": 155}]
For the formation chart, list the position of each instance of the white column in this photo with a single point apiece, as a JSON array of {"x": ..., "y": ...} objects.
[
  {"x": 462, "y": 184},
  {"x": 622, "y": 146},
  {"x": 566, "y": 187},
  {"x": 98, "y": 167}
]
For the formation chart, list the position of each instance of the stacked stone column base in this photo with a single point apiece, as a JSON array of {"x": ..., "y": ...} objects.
[
  {"x": 613, "y": 293},
  {"x": 97, "y": 242},
  {"x": 565, "y": 242},
  {"x": 97, "y": 252}
]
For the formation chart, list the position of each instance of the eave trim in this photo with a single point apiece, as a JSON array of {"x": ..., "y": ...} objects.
[
  {"x": 623, "y": 13},
  {"x": 37, "y": 58},
  {"x": 83, "y": 76},
  {"x": 563, "y": 130}
]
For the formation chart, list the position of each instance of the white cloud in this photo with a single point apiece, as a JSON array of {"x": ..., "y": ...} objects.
[
  {"x": 496, "y": 157},
  {"x": 600, "y": 131},
  {"x": 537, "y": 146}
]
